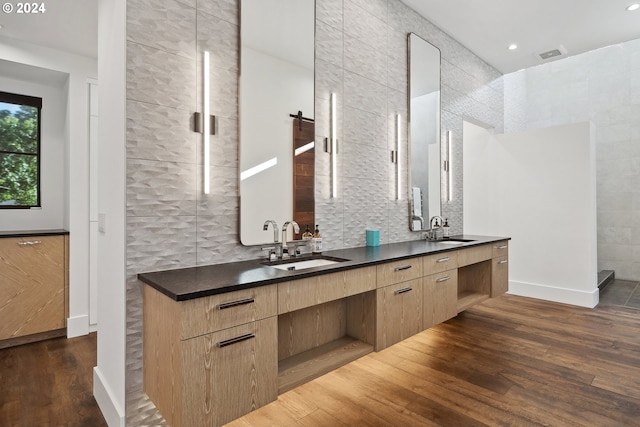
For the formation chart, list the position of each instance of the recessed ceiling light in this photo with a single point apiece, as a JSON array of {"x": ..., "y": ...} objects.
[
  {"x": 633, "y": 6},
  {"x": 512, "y": 46}
]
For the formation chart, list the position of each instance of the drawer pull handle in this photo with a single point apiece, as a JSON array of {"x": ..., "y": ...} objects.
[
  {"x": 502, "y": 247},
  {"x": 236, "y": 340},
  {"x": 30, "y": 242},
  {"x": 442, "y": 279},
  {"x": 402, "y": 291},
  {"x": 236, "y": 303},
  {"x": 403, "y": 267},
  {"x": 445, "y": 259},
  {"x": 504, "y": 261}
]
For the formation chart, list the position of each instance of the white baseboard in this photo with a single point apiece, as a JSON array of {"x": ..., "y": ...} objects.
[
  {"x": 77, "y": 326},
  {"x": 112, "y": 412},
  {"x": 550, "y": 293}
]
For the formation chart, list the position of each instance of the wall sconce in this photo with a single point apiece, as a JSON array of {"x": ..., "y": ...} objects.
[
  {"x": 447, "y": 167},
  {"x": 331, "y": 146},
  {"x": 398, "y": 166},
  {"x": 395, "y": 158},
  {"x": 205, "y": 123}
]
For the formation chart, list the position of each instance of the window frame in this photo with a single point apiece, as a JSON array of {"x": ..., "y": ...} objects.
[{"x": 35, "y": 102}]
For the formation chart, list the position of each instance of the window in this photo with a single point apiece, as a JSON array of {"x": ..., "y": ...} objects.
[{"x": 19, "y": 151}]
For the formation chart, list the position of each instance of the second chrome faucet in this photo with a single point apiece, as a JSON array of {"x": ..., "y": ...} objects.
[
  {"x": 280, "y": 248},
  {"x": 296, "y": 229}
]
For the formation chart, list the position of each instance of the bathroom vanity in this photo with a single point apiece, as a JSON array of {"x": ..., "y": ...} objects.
[
  {"x": 223, "y": 340},
  {"x": 34, "y": 279}
]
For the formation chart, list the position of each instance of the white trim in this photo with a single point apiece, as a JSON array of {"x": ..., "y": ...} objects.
[
  {"x": 77, "y": 326},
  {"x": 113, "y": 414},
  {"x": 551, "y": 293}
]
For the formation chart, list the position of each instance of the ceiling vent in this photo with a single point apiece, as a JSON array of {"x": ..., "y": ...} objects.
[{"x": 551, "y": 54}]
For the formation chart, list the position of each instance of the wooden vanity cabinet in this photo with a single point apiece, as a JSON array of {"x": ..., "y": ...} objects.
[
  {"x": 210, "y": 360},
  {"x": 440, "y": 301},
  {"x": 399, "y": 312},
  {"x": 440, "y": 287},
  {"x": 500, "y": 269},
  {"x": 33, "y": 288},
  {"x": 324, "y": 322},
  {"x": 229, "y": 372},
  {"x": 398, "y": 271},
  {"x": 303, "y": 293}
]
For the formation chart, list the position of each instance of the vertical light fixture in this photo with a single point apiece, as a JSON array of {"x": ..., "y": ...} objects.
[
  {"x": 334, "y": 148},
  {"x": 448, "y": 167},
  {"x": 206, "y": 130},
  {"x": 398, "y": 167}
]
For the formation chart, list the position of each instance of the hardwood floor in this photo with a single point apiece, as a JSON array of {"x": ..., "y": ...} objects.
[
  {"x": 49, "y": 383},
  {"x": 510, "y": 361}
]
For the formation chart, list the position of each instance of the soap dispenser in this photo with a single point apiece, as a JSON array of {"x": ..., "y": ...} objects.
[
  {"x": 445, "y": 229},
  {"x": 316, "y": 242},
  {"x": 307, "y": 235}
]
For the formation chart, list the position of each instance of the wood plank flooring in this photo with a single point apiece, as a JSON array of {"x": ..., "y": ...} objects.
[
  {"x": 49, "y": 383},
  {"x": 510, "y": 361}
]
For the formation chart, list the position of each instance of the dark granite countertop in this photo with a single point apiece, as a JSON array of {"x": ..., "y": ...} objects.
[
  {"x": 195, "y": 282},
  {"x": 31, "y": 233}
]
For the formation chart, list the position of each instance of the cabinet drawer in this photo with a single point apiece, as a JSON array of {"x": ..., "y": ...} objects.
[
  {"x": 398, "y": 312},
  {"x": 229, "y": 373},
  {"x": 439, "y": 262},
  {"x": 500, "y": 249},
  {"x": 440, "y": 297},
  {"x": 360, "y": 280},
  {"x": 399, "y": 271},
  {"x": 209, "y": 314},
  {"x": 499, "y": 276},
  {"x": 302, "y": 293},
  {"x": 474, "y": 255}
]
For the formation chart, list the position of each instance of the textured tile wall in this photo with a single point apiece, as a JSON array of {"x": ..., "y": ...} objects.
[
  {"x": 602, "y": 86},
  {"x": 360, "y": 55}
]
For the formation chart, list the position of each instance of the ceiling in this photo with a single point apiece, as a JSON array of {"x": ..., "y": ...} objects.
[
  {"x": 485, "y": 27},
  {"x": 488, "y": 27},
  {"x": 67, "y": 25}
]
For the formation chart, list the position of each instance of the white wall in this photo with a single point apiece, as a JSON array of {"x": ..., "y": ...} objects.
[
  {"x": 76, "y": 176},
  {"x": 602, "y": 86},
  {"x": 50, "y": 86},
  {"x": 541, "y": 193},
  {"x": 109, "y": 375},
  {"x": 478, "y": 195}
]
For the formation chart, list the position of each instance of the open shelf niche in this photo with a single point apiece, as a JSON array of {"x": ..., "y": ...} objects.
[
  {"x": 474, "y": 284},
  {"x": 318, "y": 339}
]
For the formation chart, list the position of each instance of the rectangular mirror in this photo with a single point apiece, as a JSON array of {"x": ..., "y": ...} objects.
[
  {"x": 277, "y": 150},
  {"x": 424, "y": 132}
]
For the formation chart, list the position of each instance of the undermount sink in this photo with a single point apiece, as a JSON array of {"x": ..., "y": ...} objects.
[
  {"x": 293, "y": 265},
  {"x": 454, "y": 241}
]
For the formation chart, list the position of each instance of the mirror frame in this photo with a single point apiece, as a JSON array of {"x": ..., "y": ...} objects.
[{"x": 279, "y": 49}]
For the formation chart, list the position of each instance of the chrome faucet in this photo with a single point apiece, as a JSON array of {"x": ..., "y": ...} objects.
[
  {"x": 436, "y": 217},
  {"x": 296, "y": 228},
  {"x": 432, "y": 234},
  {"x": 277, "y": 245},
  {"x": 265, "y": 227}
]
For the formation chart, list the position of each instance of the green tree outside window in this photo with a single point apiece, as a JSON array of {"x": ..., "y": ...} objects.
[{"x": 19, "y": 151}]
